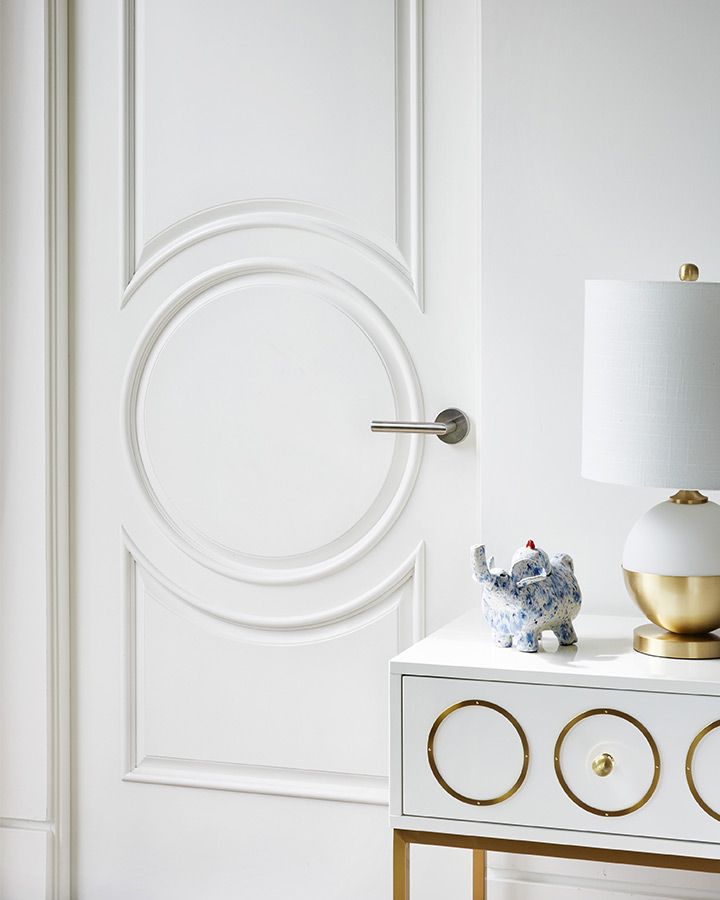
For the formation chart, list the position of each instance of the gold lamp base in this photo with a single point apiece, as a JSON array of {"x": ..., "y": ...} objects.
[
  {"x": 684, "y": 609},
  {"x": 655, "y": 641}
]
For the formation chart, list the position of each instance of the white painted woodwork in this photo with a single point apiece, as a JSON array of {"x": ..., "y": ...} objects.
[
  {"x": 34, "y": 723},
  {"x": 291, "y": 253},
  {"x": 23, "y": 610},
  {"x": 567, "y": 682},
  {"x": 24, "y": 863}
]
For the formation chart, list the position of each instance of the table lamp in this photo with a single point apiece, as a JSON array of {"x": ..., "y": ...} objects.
[{"x": 651, "y": 417}]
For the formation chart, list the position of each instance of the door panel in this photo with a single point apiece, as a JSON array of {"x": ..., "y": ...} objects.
[{"x": 247, "y": 554}]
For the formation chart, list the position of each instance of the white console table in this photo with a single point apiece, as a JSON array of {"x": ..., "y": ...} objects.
[{"x": 589, "y": 752}]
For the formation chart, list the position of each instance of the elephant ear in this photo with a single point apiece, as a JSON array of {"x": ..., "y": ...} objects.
[
  {"x": 564, "y": 559},
  {"x": 528, "y": 570}
]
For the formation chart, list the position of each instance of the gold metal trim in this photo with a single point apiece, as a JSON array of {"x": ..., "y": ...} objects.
[
  {"x": 689, "y": 272},
  {"x": 645, "y": 733},
  {"x": 655, "y": 641},
  {"x": 683, "y": 604},
  {"x": 479, "y": 875},
  {"x": 436, "y": 772},
  {"x": 688, "y": 498},
  {"x": 403, "y": 839},
  {"x": 603, "y": 765},
  {"x": 689, "y": 773}
]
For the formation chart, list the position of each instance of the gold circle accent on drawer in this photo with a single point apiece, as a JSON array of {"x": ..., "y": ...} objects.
[
  {"x": 436, "y": 772},
  {"x": 645, "y": 733},
  {"x": 689, "y": 773}
]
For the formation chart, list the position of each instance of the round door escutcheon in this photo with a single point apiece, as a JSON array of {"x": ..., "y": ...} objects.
[
  {"x": 689, "y": 770},
  {"x": 509, "y": 718},
  {"x": 605, "y": 764}
]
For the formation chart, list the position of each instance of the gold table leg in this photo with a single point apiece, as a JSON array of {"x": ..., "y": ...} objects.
[
  {"x": 478, "y": 876},
  {"x": 402, "y": 840},
  {"x": 401, "y": 867},
  {"x": 401, "y": 870}
]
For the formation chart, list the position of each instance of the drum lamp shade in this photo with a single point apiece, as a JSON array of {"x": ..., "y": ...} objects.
[{"x": 651, "y": 389}]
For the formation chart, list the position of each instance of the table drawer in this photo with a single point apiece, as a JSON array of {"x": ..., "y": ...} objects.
[{"x": 626, "y": 762}]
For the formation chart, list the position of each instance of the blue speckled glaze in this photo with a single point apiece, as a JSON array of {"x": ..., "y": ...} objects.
[{"x": 537, "y": 594}]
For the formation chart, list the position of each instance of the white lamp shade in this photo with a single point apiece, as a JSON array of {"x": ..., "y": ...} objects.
[{"x": 651, "y": 393}]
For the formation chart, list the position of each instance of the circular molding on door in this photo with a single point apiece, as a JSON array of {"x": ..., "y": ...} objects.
[
  {"x": 433, "y": 763},
  {"x": 596, "y": 810},
  {"x": 365, "y": 324},
  {"x": 689, "y": 769}
]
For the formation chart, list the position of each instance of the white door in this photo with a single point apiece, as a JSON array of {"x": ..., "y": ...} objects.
[{"x": 274, "y": 241}]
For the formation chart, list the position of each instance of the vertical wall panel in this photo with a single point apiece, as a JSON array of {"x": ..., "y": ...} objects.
[{"x": 23, "y": 592}]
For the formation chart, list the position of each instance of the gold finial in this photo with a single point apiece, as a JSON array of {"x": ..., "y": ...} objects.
[{"x": 689, "y": 272}]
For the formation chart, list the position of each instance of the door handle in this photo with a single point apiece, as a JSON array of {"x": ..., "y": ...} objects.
[{"x": 451, "y": 426}]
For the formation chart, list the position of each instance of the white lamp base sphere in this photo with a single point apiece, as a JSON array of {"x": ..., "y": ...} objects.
[
  {"x": 671, "y": 564},
  {"x": 675, "y": 539}
]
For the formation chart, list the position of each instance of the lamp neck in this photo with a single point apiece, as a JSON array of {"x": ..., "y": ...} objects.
[{"x": 689, "y": 498}]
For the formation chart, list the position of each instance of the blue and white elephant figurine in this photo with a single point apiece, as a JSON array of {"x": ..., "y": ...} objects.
[{"x": 537, "y": 594}]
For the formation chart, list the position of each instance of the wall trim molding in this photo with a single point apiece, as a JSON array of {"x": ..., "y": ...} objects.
[
  {"x": 57, "y": 445},
  {"x": 13, "y": 824},
  {"x": 284, "y": 782},
  {"x": 410, "y": 130}
]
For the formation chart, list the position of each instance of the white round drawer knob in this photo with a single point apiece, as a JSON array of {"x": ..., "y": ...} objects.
[{"x": 603, "y": 765}]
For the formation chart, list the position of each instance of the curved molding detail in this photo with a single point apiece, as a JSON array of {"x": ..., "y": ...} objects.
[
  {"x": 245, "y": 215},
  {"x": 302, "y": 629},
  {"x": 143, "y": 581},
  {"x": 405, "y": 259},
  {"x": 406, "y": 458}
]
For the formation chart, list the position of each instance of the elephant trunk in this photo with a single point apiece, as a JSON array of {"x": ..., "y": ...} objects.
[{"x": 481, "y": 572}]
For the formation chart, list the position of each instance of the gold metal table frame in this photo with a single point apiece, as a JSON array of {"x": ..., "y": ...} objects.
[{"x": 481, "y": 845}]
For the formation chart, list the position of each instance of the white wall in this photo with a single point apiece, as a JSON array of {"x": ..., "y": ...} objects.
[{"x": 601, "y": 142}]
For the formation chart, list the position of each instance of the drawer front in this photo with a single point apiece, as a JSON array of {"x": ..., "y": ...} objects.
[{"x": 626, "y": 762}]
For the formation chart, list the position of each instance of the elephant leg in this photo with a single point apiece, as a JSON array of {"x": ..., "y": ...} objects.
[
  {"x": 501, "y": 639},
  {"x": 527, "y": 642},
  {"x": 565, "y": 633}
]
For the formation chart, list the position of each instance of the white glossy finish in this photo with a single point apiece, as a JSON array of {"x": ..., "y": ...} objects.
[
  {"x": 603, "y": 657},
  {"x": 544, "y": 692},
  {"x": 675, "y": 539}
]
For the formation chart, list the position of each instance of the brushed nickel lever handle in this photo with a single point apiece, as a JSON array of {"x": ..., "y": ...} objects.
[{"x": 451, "y": 426}]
